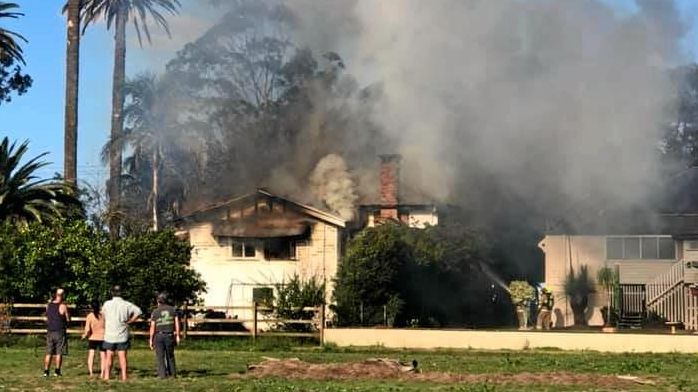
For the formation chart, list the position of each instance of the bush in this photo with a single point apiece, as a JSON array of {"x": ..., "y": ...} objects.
[
  {"x": 578, "y": 287},
  {"x": 36, "y": 258},
  {"x": 293, "y": 296}
]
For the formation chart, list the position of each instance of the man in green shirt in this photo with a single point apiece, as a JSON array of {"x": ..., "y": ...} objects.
[{"x": 164, "y": 335}]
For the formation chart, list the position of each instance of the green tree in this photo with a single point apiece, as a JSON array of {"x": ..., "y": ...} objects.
[
  {"x": 24, "y": 197},
  {"x": 118, "y": 13},
  {"x": 11, "y": 57},
  {"x": 8, "y": 39}
]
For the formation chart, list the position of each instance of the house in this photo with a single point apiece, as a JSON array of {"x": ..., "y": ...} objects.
[
  {"x": 655, "y": 256},
  {"x": 244, "y": 247},
  {"x": 395, "y": 202}
]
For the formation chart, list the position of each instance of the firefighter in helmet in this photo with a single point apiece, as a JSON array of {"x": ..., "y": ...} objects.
[{"x": 545, "y": 309}]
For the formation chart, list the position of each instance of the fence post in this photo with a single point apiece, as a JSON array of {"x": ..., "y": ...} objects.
[
  {"x": 254, "y": 320},
  {"x": 185, "y": 320},
  {"x": 322, "y": 324}
]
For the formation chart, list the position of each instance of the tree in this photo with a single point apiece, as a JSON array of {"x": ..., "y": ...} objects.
[
  {"x": 24, "y": 197},
  {"x": 405, "y": 276},
  {"x": 8, "y": 39},
  {"x": 72, "y": 72},
  {"x": 11, "y": 57},
  {"x": 118, "y": 13},
  {"x": 578, "y": 287}
]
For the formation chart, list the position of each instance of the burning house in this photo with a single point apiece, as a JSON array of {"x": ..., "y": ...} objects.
[{"x": 246, "y": 246}]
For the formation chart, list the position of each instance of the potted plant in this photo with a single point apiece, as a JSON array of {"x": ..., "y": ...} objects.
[
  {"x": 578, "y": 287},
  {"x": 607, "y": 278},
  {"x": 521, "y": 294}
]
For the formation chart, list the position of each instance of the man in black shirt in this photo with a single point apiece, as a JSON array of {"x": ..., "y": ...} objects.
[
  {"x": 57, "y": 319},
  {"x": 164, "y": 334}
]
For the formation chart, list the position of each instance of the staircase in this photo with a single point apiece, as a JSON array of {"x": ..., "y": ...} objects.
[{"x": 669, "y": 296}]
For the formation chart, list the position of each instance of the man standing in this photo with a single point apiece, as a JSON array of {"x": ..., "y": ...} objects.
[
  {"x": 118, "y": 314},
  {"x": 545, "y": 308},
  {"x": 57, "y": 319},
  {"x": 164, "y": 335}
]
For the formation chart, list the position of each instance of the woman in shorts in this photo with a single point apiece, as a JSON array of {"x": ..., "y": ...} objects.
[{"x": 94, "y": 332}]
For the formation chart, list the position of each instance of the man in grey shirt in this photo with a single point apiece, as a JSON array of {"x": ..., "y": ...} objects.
[{"x": 118, "y": 314}]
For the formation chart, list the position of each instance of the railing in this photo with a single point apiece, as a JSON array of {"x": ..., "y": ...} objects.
[
  {"x": 665, "y": 283},
  {"x": 632, "y": 299},
  {"x": 196, "y": 321}
]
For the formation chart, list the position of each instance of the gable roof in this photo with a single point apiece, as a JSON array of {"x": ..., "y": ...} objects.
[{"x": 316, "y": 213}]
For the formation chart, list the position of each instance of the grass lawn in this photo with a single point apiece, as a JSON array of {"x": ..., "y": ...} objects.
[{"x": 221, "y": 366}]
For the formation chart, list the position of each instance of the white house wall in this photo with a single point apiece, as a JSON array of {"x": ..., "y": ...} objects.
[{"x": 232, "y": 279}]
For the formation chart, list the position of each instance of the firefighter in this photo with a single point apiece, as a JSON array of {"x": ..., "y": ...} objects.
[{"x": 545, "y": 309}]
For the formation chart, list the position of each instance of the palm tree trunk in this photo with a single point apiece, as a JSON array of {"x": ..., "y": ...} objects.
[
  {"x": 117, "y": 121},
  {"x": 154, "y": 191},
  {"x": 72, "y": 72}
]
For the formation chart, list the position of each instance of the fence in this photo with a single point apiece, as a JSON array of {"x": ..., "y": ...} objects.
[{"x": 196, "y": 321}]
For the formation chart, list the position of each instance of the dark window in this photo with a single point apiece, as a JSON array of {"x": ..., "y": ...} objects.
[
  {"x": 631, "y": 248},
  {"x": 263, "y": 295},
  {"x": 650, "y": 247},
  {"x": 280, "y": 249},
  {"x": 614, "y": 248},
  {"x": 667, "y": 250},
  {"x": 242, "y": 249}
]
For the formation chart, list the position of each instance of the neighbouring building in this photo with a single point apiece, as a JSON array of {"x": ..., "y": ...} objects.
[
  {"x": 655, "y": 256},
  {"x": 395, "y": 202}
]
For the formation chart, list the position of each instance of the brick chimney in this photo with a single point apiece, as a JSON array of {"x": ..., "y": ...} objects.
[{"x": 389, "y": 185}]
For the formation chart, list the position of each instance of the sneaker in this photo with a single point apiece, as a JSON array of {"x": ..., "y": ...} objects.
[
  {"x": 57, "y": 373},
  {"x": 45, "y": 373}
]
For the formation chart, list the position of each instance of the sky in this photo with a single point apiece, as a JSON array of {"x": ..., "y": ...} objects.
[{"x": 38, "y": 115}]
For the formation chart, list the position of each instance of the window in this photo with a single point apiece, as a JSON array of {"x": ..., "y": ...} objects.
[
  {"x": 263, "y": 295},
  {"x": 243, "y": 249},
  {"x": 280, "y": 249},
  {"x": 640, "y": 248}
]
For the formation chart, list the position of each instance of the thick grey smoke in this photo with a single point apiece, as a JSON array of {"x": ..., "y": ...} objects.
[
  {"x": 553, "y": 100},
  {"x": 333, "y": 185}
]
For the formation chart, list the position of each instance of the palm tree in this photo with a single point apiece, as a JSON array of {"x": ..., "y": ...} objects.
[
  {"x": 118, "y": 13},
  {"x": 8, "y": 39},
  {"x": 72, "y": 72},
  {"x": 144, "y": 116},
  {"x": 23, "y": 197}
]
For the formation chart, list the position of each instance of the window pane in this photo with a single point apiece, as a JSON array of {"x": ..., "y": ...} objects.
[
  {"x": 666, "y": 248},
  {"x": 614, "y": 248},
  {"x": 631, "y": 248},
  {"x": 249, "y": 251},
  {"x": 649, "y": 248},
  {"x": 237, "y": 249}
]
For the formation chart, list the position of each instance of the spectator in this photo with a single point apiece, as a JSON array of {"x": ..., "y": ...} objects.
[
  {"x": 57, "y": 319},
  {"x": 118, "y": 314},
  {"x": 164, "y": 336},
  {"x": 94, "y": 332}
]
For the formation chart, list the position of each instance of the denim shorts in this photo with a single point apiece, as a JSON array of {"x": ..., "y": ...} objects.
[{"x": 123, "y": 346}]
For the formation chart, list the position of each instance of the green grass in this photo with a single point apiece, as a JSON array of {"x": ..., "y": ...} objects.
[{"x": 211, "y": 366}]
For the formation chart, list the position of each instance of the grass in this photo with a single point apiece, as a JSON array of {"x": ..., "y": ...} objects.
[{"x": 207, "y": 365}]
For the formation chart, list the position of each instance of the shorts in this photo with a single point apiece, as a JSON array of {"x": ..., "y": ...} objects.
[
  {"x": 56, "y": 343},
  {"x": 95, "y": 345},
  {"x": 123, "y": 346}
]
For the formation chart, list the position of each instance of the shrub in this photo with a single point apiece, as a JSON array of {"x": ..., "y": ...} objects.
[{"x": 578, "y": 287}]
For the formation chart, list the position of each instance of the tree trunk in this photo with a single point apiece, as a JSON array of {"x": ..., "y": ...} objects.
[
  {"x": 117, "y": 121},
  {"x": 154, "y": 191},
  {"x": 72, "y": 72}
]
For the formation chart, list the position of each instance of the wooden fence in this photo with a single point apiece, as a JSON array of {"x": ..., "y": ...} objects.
[{"x": 196, "y": 321}]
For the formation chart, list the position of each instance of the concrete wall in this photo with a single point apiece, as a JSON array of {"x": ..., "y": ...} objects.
[{"x": 511, "y": 340}]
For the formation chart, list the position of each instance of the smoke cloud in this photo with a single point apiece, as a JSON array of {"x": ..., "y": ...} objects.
[{"x": 555, "y": 102}]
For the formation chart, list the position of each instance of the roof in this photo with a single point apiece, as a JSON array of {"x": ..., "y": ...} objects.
[{"x": 304, "y": 208}]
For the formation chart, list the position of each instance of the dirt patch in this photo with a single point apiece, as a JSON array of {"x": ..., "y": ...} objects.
[{"x": 379, "y": 368}]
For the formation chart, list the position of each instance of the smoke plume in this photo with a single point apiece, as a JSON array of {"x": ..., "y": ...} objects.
[
  {"x": 553, "y": 102},
  {"x": 332, "y": 184}
]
